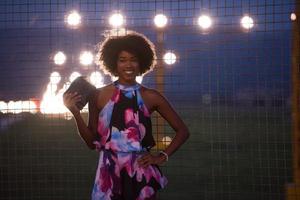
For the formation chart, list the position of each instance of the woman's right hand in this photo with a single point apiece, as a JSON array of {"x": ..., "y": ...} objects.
[{"x": 70, "y": 100}]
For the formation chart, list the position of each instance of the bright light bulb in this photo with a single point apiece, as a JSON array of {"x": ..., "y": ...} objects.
[
  {"x": 96, "y": 79},
  {"x": 74, "y": 19},
  {"x": 204, "y": 21},
  {"x": 52, "y": 102},
  {"x": 293, "y": 16},
  {"x": 139, "y": 79},
  {"x": 247, "y": 22},
  {"x": 73, "y": 76},
  {"x": 3, "y": 107},
  {"x": 28, "y": 106},
  {"x": 55, "y": 78},
  {"x": 160, "y": 20},
  {"x": 166, "y": 140},
  {"x": 169, "y": 58},
  {"x": 12, "y": 107},
  {"x": 116, "y": 20},
  {"x": 86, "y": 58},
  {"x": 59, "y": 58}
]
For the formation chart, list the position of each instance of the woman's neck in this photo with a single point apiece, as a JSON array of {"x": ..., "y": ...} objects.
[{"x": 125, "y": 83}]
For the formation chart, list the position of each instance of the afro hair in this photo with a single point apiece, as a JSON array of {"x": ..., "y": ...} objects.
[{"x": 132, "y": 42}]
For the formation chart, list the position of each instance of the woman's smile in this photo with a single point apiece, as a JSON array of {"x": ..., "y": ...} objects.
[{"x": 127, "y": 67}]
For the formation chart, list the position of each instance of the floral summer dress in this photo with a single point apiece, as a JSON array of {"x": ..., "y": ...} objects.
[{"x": 125, "y": 133}]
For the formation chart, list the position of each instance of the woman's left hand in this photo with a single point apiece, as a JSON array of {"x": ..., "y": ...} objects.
[{"x": 149, "y": 159}]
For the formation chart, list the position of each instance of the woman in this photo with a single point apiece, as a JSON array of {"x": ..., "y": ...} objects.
[{"x": 119, "y": 125}]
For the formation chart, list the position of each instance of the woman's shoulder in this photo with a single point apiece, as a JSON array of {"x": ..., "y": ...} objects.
[
  {"x": 105, "y": 88},
  {"x": 103, "y": 94},
  {"x": 150, "y": 93}
]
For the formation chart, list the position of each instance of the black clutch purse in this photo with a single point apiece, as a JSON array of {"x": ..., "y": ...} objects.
[{"x": 82, "y": 87}]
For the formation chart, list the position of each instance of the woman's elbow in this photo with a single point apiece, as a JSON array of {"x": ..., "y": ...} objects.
[
  {"x": 186, "y": 133},
  {"x": 91, "y": 145}
]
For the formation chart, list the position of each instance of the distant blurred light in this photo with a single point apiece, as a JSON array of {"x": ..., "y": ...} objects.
[
  {"x": 52, "y": 102},
  {"x": 74, "y": 19},
  {"x": 14, "y": 107},
  {"x": 247, "y": 22},
  {"x": 86, "y": 58},
  {"x": 3, "y": 107},
  {"x": 55, "y": 78},
  {"x": 66, "y": 85},
  {"x": 204, "y": 21},
  {"x": 169, "y": 58},
  {"x": 52, "y": 105},
  {"x": 29, "y": 106},
  {"x": 68, "y": 116},
  {"x": 59, "y": 58},
  {"x": 96, "y": 79},
  {"x": 21, "y": 106},
  {"x": 114, "y": 78},
  {"x": 166, "y": 140},
  {"x": 160, "y": 20},
  {"x": 293, "y": 16},
  {"x": 73, "y": 76},
  {"x": 139, "y": 79},
  {"x": 116, "y": 20}
]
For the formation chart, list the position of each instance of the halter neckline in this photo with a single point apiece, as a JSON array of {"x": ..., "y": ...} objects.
[{"x": 127, "y": 88}]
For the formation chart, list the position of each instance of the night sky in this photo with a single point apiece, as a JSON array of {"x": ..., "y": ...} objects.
[{"x": 224, "y": 61}]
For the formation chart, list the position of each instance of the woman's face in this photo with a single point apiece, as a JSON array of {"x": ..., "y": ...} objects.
[{"x": 127, "y": 67}]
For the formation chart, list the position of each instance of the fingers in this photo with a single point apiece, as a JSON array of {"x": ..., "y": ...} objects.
[
  {"x": 146, "y": 160},
  {"x": 72, "y": 96},
  {"x": 70, "y": 100},
  {"x": 143, "y": 162}
]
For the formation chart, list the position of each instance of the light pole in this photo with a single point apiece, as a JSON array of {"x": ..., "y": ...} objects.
[
  {"x": 293, "y": 190},
  {"x": 160, "y": 22}
]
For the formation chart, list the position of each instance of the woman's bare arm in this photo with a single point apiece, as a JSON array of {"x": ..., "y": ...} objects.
[
  {"x": 163, "y": 107},
  {"x": 87, "y": 133},
  {"x": 170, "y": 115}
]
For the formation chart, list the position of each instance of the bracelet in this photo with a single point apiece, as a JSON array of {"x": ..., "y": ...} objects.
[{"x": 165, "y": 154}]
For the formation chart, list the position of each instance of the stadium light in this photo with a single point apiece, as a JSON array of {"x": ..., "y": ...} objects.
[
  {"x": 3, "y": 107},
  {"x": 247, "y": 22},
  {"x": 166, "y": 140},
  {"x": 73, "y": 76},
  {"x": 293, "y": 16},
  {"x": 160, "y": 21},
  {"x": 86, "y": 58},
  {"x": 73, "y": 19},
  {"x": 55, "y": 78},
  {"x": 16, "y": 107},
  {"x": 116, "y": 20},
  {"x": 204, "y": 21},
  {"x": 96, "y": 79},
  {"x": 52, "y": 102},
  {"x": 169, "y": 58},
  {"x": 59, "y": 58},
  {"x": 29, "y": 106}
]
